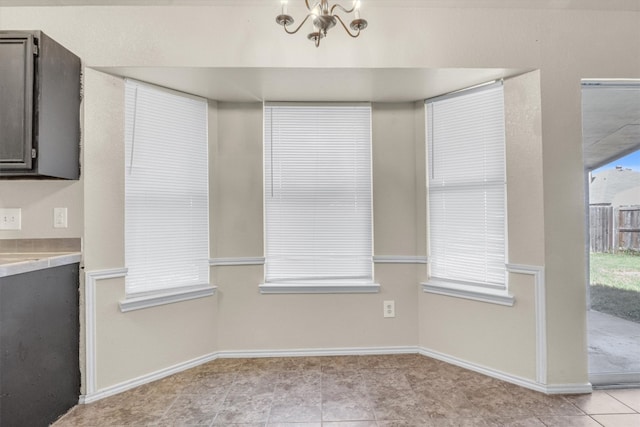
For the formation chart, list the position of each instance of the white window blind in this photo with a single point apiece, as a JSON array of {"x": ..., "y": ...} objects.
[
  {"x": 318, "y": 221},
  {"x": 466, "y": 187},
  {"x": 166, "y": 189}
]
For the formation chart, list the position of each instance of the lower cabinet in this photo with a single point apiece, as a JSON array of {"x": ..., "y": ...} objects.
[{"x": 39, "y": 340}]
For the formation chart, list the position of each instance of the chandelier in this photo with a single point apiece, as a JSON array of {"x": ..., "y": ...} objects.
[{"x": 323, "y": 18}]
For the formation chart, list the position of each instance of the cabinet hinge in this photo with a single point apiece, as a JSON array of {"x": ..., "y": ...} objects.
[
  {"x": 36, "y": 50},
  {"x": 81, "y": 85},
  {"x": 33, "y": 153}
]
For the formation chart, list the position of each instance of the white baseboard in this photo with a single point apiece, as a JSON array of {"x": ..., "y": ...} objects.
[
  {"x": 145, "y": 379},
  {"x": 348, "y": 351},
  {"x": 569, "y": 388},
  {"x": 613, "y": 380},
  {"x": 157, "y": 375},
  {"x": 513, "y": 379}
]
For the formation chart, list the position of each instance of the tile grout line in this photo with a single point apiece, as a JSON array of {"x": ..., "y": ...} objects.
[
  {"x": 576, "y": 406},
  {"x": 613, "y": 397},
  {"x": 235, "y": 376},
  {"x": 166, "y": 411},
  {"x": 321, "y": 394},
  {"x": 273, "y": 396},
  {"x": 369, "y": 400}
]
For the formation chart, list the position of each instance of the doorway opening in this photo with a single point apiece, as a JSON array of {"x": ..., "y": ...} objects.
[{"x": 611, "y": 145}]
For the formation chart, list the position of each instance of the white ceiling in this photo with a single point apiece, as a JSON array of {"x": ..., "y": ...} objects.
[
  {"x": 611, "y": 109},
  {"x": 611, "y": 113},
  {"x": 508, "y": 4},
  {"x": 313, "y": 84}
]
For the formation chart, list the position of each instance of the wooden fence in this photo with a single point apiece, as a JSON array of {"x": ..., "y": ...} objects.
[{"x": 613, "y": 229}]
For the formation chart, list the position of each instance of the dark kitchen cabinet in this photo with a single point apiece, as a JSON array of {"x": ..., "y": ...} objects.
[
  {"x": 39, "y": 344},
  {"x": 39, "y": 107}
]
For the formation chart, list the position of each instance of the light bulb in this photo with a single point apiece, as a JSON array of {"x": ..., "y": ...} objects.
[
  {"x": 358, "y": 9},
  {"x": 284, "y": 6}
]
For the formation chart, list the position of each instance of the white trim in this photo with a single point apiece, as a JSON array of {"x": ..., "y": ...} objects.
[
  {"x": 514, "y": 379},
  {"x": 90, "y": 279},
  {"x": 540, "y": 309},
  {"x": 466, "y": 91},
  {"x": 93, "y": 395},
  {"x": 236, "y": 261},
  {"x": 144, "y": 379},
  {"x": 168, "y": 296},
  {"x": 399, "y": 259},
  {"x": 312, "y": 352},
  {"x": 501, "y": 297},
  {"x": 379, "y": 259},
  {"x": 319, "y": 288},
  {"x": 569, "y": 388},
  {"x": 165, "y": 89},
  {"x": 541, "y": 316},
  {"x": 612, "y": 379}
]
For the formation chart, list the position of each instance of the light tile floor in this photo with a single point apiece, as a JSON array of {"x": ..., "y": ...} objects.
[{"x": 348, "y": 391}]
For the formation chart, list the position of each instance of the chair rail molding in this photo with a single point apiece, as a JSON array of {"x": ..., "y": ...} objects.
[
  {"x": 90, "y": 280},
  {"x": 399, "y": 259},
  {"x": 229, "y": 261},
  {"x": 541, "y": 315}
]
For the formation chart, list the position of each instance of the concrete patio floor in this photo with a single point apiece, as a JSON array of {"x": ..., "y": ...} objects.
[{"x": 614, "y": 350}]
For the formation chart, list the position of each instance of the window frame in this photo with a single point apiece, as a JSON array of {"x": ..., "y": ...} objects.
[
  {"x": 144, "y": 296},
  {"x": 310, "y": 284},
  {"x": 497, "y": 293}
]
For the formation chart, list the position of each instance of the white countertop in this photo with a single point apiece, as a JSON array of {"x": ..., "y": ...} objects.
[{"x": 24, "y": 262}]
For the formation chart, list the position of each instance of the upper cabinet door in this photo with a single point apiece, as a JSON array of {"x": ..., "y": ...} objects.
[{"x": 16, "y": 100}]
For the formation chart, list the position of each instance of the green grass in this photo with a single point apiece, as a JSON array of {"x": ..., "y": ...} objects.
[
  {"x": 621, "y": 270},
  {"x": 615, "y": 284}
]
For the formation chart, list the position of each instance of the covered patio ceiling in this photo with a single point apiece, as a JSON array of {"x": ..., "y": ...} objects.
[{"x": 610, "y": 120}]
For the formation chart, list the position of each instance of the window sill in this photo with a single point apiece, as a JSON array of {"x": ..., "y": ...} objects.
[
  {"x": 501, "y": 297},
  {"x": 170, "y": 296},
  {"x": 320, "y": 288}
]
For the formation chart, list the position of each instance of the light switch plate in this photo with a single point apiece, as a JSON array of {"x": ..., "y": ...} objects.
[
  {"x": 10, "y": 218},
  {"x": 59, "y": 217}
]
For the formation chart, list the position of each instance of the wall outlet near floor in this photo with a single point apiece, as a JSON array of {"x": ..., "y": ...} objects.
[
  {"x": 10, "y": 218},
  {"x": 59, "y": 217},
  {"x": 389, "y": 308}
]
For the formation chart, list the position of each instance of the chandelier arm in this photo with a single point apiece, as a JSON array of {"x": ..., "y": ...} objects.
[
  {"x": 343, "y": 9},
  {"x": 299, "y": 26},
  {"x": 345, "y": 27}
]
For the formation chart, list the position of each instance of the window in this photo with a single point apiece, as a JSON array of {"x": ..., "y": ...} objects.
[
  {"x": 166, "y": 191},
  {"x": 466, "y": 192},
  {"x": 317, "y": 194}
]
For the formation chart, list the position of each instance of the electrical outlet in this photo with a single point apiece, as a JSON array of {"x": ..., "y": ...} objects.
[
  {"x": 389, "y": 308},
  {"x": 59, "y": 217},
  {"x": 10, "y": 219}
]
